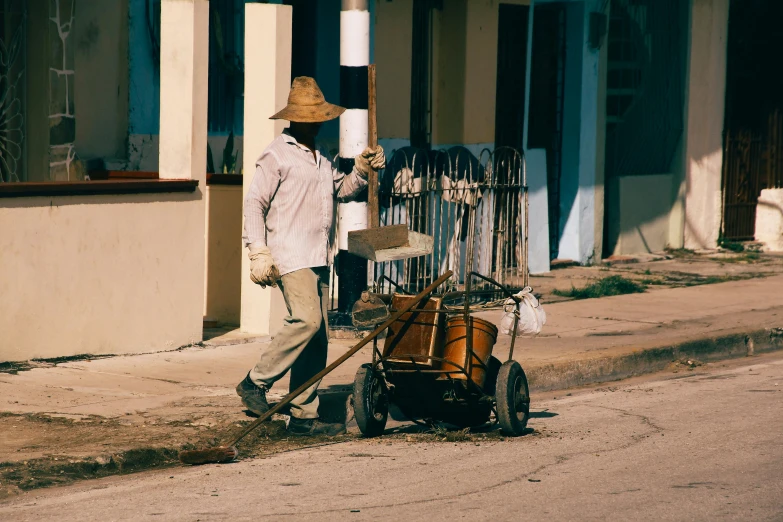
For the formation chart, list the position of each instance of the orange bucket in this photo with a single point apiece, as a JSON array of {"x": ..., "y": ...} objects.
[{"x": 484, "y": 336}]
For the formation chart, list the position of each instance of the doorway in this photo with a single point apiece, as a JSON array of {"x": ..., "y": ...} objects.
[
  {"x": 512, "y": 66},
  {"x": 753, "y": 128}
]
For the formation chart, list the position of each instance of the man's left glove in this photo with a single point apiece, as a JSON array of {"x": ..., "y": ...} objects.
[
  {"x": 263, "y": 270},
  {"x": 370, "y": 157}
]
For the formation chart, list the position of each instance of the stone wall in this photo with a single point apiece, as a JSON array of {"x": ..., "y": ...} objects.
[{"x": 62, "y": 119}]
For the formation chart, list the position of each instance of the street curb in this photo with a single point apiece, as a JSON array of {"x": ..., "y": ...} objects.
[{"x": 571, "y": 374}]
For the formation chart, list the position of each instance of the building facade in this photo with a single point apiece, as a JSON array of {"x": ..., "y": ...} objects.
[{"x": 634, "y": 117}]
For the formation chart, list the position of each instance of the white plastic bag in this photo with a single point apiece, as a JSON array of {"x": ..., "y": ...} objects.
[{"x": 532, "y": 316}]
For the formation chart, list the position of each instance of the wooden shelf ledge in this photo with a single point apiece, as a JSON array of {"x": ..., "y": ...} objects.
[{"x": 88, "y": 188}]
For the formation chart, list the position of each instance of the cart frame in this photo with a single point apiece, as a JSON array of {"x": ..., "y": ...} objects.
[{"x": 380, "y": 376}]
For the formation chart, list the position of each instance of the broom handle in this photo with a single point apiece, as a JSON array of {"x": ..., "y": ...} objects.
[
  {"x": 344, "y": 357},
  {"x": 373, "y": 214}
]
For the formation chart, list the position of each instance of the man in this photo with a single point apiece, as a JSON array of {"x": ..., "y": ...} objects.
[{"x": 289, "y": 217}]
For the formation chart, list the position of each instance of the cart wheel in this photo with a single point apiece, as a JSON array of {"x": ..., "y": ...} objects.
[
  {"x": 370, "y": 404},
  {"x": 513, "y": 398}
]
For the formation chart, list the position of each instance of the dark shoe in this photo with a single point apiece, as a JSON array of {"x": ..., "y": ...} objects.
[
  {"x": 314, "y": 427},
  {"x": 253, "y": 397}
]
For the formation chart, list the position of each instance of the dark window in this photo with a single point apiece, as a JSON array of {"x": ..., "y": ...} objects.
[
  {"x": 226, "y": 65},
  {"x": 305, "y": 30},
  {"x": 421, "y": 60},
  {"x": 512, "y": 67}
]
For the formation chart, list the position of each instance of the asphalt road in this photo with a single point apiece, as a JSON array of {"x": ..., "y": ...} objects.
[{"x": 701, "y": 445}]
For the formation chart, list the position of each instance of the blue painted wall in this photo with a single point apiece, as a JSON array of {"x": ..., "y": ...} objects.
[
  {"x": 143, "y": 78},
  {"x": 589, "y": 176},
  {"x": 572, "y": 117},
  {"x": 582, "y": 141},
  {"x": 535, "y": 168}
]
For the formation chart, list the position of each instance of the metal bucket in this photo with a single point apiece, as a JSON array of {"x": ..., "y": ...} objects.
[{"x": 484, "y": 336}]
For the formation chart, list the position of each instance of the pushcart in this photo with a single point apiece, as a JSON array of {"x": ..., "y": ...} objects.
[{"x": 436, "y": 365}]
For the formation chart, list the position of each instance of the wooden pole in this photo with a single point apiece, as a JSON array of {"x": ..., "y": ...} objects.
[{"x": 373, "y": 213}]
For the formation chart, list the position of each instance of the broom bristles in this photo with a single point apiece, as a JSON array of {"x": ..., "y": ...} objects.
[{"x": 216, "y": 455}]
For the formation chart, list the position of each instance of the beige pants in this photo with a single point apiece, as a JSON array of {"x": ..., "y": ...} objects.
[{"x": 302, "y": 343}]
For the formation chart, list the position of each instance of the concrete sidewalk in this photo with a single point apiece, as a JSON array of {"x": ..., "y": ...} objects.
[{"x": 114, "y": 404}]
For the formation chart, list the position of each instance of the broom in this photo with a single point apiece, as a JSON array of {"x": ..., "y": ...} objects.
[{"x": 229, "y": 452}]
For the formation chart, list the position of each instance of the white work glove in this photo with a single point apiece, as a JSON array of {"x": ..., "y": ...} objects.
[
  {"x": 370, "y": 158},
  {"x": 263, "y": 271}
]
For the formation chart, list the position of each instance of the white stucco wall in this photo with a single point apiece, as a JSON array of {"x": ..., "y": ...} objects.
[
  {"x": 769, "y": 220},
  {"x": 705, "y": 111},
  {"x": 100, "y": 274}
]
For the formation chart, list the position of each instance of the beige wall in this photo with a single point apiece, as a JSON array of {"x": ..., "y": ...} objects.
[
  {"x": 393, "y": 60},
  {"x": 706, "y": 98},
  {"x": 481, "y": 67},
  {"x": 224, "y": 253},
  {"x": 645, "y": 206},
  {"x": 100, "y": 274},
  {"x": 464, "y": 69},
  {"x": 101, "y": 80},
  {"x": 448, "y": 75}
]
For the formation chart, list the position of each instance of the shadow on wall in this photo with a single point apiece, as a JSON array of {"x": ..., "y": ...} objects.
[
  {"x": 645, "y": 104},
  {"x": 774, "y": 207}
]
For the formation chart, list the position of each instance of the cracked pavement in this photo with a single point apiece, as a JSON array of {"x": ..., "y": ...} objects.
[{"x": 702, "y": 445}]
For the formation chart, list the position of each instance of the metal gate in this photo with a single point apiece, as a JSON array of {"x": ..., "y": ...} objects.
[
  {"x": 13, "y": 22},
  {"x": 475, "y": 208}
]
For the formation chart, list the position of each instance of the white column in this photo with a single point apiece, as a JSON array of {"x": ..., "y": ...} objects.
[
  {"x": 184, "y": 70},
  {"x": 354, "y": 59},
  {"x": 184, "y": 66},
  {"x": 706, "y": 98},
  {"x": 267, "y": 82}
]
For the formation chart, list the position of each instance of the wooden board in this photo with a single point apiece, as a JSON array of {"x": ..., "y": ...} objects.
[
  {"x": 389, "y": 243},
  {"x": 362, "y": 242}
]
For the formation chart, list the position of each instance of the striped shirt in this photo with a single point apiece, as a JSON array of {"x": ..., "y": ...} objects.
[{"x": 290, "y": 204}]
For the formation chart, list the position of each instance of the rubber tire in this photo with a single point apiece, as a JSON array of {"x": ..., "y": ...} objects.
[
  {"x": 370, "y": 409},
  {"x": 512, "y": 389}
]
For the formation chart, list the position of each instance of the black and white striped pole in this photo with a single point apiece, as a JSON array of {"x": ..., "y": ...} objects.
[{"x": 354, "y": 60}]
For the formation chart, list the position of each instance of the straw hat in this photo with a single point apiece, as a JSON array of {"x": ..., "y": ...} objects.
[{"x": 306, "y": 103}]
